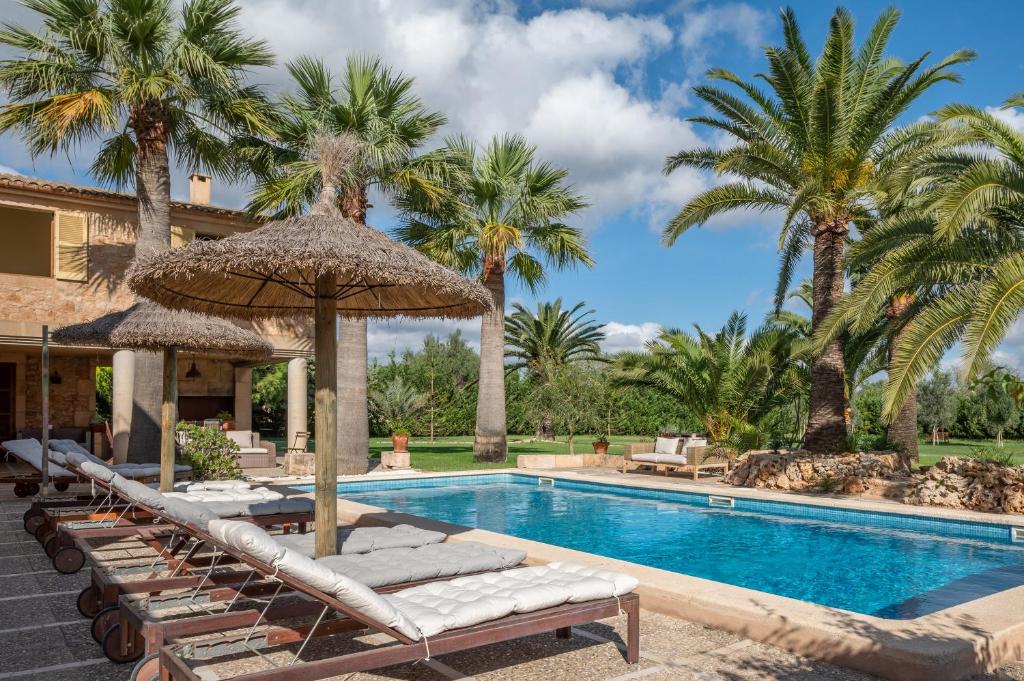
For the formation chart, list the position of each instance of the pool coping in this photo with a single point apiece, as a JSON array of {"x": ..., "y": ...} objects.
[{"x": 949, "y": 645}]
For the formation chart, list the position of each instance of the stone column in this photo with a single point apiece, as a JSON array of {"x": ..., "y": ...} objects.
[
  {"x": 123, "y": 379},
  {"x": 243, "y": 398},
  {"x": 298, "y": 417}
]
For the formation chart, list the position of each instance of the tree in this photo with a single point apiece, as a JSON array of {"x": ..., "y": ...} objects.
[
  {"x": 568, "y": 394},
  {"x": 962, "y": 254},
  {"x": 732, "y": 383},
  {"x": 504, "y": 215},
  {"x": 937, "y": 403},
  {"x": 396, "y": 404},
  {"x": 1001, "y": 409},
  {"x": 147, "y": 79},
  {"x": 546, "y": 341},
  {"x": 378, "y": 108},
  {"x": 819, "y": 147}
]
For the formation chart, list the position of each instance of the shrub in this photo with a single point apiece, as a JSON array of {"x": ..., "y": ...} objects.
[
  {"x": 1003, "y": 458},
  {"x": 212, "y": 455}
]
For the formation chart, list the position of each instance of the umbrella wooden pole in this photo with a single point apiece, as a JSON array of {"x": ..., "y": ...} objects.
[
  {"x": 169, "y": 418},
  {"x": 326, "y": 420},
  {"x": 44, "y": 468}
]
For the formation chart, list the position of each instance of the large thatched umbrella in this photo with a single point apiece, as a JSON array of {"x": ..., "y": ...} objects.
[
  {"x": 319, "y": 263},
  {"x": 148, "y": 326}
]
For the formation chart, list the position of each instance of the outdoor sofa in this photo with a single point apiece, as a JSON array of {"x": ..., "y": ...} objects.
[{"x": 688, "y": 454}]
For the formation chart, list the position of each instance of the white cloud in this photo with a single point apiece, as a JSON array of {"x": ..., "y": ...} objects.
[
  {"x": 741, "y": 24},
  {"x": 620, "y": 337},
  {"x": 1012, "y": 117},
  {"x": 1010, "y": 353},
  {"x": 7, "y": 170}
]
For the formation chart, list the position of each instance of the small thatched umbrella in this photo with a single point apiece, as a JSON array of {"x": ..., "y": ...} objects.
[
  {"x": 318, "y": 263},
  {"x": 148, "y": 326}
]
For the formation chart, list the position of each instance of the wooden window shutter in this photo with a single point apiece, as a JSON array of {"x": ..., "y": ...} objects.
[
  {"x": 72, "y": 244},
  {"x": 181, "y": 236}
]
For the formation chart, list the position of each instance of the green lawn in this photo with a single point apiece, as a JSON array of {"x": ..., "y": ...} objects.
[
  {"x": 931, "y": 453},
  {"x": 456, "y": 453}
]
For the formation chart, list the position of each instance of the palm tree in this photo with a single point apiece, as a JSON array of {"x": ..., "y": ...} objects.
[
  {"x": 378, "y": 108},
  {"x": 396, "y": 404},
  {"x": 961, "y": 256},
  {"x": 739, "y": 387},
  {"x": 148, "y": 80},
  {"x": 818, "y": 148},
  {"x": 505, "y": 215},
  {"x": 549, "y": 340}
]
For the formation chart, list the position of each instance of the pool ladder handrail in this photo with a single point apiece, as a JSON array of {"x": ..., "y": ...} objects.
[
  {"x": 1016, "y": 534},
  {"x": 719, "y": 501},
  {"x": 550, "y": 482}
]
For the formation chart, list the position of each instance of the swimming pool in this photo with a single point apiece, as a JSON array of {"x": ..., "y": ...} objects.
[{"x": 888, "y": 565}]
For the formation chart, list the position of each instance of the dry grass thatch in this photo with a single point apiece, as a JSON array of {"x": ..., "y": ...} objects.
[
  {"x": 272, "y": 271},
  {"x": 148, "y": 326}
]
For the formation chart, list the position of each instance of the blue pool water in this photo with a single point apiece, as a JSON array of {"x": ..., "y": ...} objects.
[{"x": 888, "y": 565}]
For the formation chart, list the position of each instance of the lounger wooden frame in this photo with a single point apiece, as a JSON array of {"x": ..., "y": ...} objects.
[{"x": 559, "y": 619}]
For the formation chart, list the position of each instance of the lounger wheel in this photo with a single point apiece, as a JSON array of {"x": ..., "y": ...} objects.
[
  {"x": 88, "y": 603},
  {"x": 21, "y": 490},
  {"x": 33, "y": 488},
  {"x": 147, "y": 669},
  {"x": 61, "y": 486},
  {"x": 103, "y": 620},
  {"x": 112, "y": 646},
  {"x": 33, "y": 521},
  {"x": 51, "y": 546},
  {"x": 68, "y": 560}
]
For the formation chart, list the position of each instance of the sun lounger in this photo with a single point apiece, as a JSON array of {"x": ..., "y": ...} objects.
[
  {"x": 69, "y": 539},
  {"x": 139, "y": 627},
  {"x": 431, "y": 619},
  {"x": 26, "y": 483}
]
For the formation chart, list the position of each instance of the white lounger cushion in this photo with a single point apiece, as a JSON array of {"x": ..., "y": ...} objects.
[
  {"x": 94, "y": 470},
  {"x": 249, "y": 509},
  {"x": 30, "y": 451},
  {"x": 396, "y": 566},
  {"x": 215, "y": 486},
  {"x": 466, "y": 601},
  {"x": 666, "y": 445},
  {"x": 65, "y": 447},
  {"x": 674, "y": 459},
  {"x": 352, "y": 540},
  {"x": 261, "y": 546},
  {"x": 433, "y": 608},
  {"x": 136, "y": 491},
  {"x": 188, "y": 512},
  {"x": 258, "y": 494}
]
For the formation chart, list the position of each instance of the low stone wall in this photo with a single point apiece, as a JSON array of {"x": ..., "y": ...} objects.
[
  {"x": 799, "y": 470},
  {"x": 969, "y": 484},
  {"x": 538, "y": 461}
]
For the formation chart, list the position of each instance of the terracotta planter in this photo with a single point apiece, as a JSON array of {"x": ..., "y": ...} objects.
[
  {"x": 227, "y": 425},
  {"x": 400, "y": 442},
  {"x": 600, "y": 448}
]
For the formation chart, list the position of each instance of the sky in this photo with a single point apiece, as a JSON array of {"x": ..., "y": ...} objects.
[{"x": 603, "y": 89}]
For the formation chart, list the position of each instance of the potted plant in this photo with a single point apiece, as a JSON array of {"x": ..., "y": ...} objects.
[
  {"x": 400, "y": 439},
  {"x": 227, "y": 420},
  {"x": 600, "y": 445}
]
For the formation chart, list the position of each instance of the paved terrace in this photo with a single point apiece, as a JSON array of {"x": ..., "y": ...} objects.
[{"x": 43, "y": 638}]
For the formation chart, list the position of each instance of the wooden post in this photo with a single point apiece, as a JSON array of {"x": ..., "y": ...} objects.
[
  {"x": 326, "y": 420},
  {"x": 44, "y": 486},
  {"x": 169, "y": 419}
]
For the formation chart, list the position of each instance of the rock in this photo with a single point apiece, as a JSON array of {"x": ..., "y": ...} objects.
[
  {"x": 800, "y": 470},
  {"x": 853, "y": 484},
  {"x": 972, "y": 484}
]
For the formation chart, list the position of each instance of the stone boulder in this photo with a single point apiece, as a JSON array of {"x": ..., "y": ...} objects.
[
  {"x": 800, "y": 470},
  {"x": 971, "y": 484}
]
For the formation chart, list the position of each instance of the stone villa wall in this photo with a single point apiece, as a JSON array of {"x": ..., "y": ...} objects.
[{"x": 72, "y": 401}]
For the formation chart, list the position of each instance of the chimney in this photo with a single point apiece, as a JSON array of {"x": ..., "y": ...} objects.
[{"x": 199, "y": 189}]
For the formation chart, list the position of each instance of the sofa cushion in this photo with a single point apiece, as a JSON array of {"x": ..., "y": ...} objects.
[
  {"x": 242, "y": 438},
  {"x": 674, "y": 459},
  {"x": 645, "y": 458},
  {"x": 666, "y": 445}
]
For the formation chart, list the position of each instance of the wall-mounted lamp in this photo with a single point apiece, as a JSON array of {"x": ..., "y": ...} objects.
[{"x": 193, "y": 371}]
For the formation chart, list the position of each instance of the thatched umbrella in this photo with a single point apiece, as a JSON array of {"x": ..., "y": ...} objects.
[
  {"x": 148, "y": 326},
  {"x": 319, "y": 263}
]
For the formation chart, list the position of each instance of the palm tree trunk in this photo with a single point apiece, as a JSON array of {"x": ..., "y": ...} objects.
[
  {"x": 353, "y": 412},
  {"x": 903, "y": 429},
  {"x": 153, "y": 188},
  {"x": 490, "y": 442},
  {"x": 353, "y": 419},
  {"x": 826, "y": 422}
]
